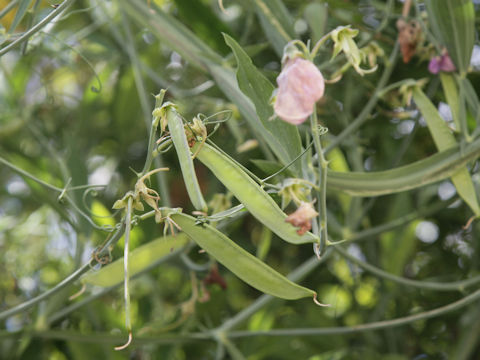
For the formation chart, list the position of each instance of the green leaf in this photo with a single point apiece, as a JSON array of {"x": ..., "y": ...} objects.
[
  {"x": 276, "y": 23},
  {"x": 22, "y": 10},
  {"x": 444, "y": 140},
  {"x": 203, "y": 21},
  {"x": 441, "y": 133},
  {"x": 283, "y": 137},
  {"x": 172, "y": 33},
  {"x": 316, "y": 15},
  {"x": 453, "y": 23},
  {"x": 140, "y": 259},
  {"x": 451, "y": 94},
  {"x": 176, "y": 36},
  {"x": 398, "y": 246},
  {"x": 240, "y": 262},
  {"x": 471, "y": 99}
]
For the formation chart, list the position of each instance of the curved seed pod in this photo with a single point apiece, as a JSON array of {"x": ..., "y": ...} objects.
[
  {"x": 251, "y": 195},
  {"x": 439, "y": 166},
  {"x": 177, "y": 132},
  {"x": 139, "y": 260},
  {"x": 244, "y": 265}
]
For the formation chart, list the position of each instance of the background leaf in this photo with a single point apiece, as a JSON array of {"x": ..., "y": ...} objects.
[
  {"x": 283, "y": 137},
  {"x": 276, "y": 23},
  {"x": 140, "y": 259},
  {"x": 445, "y": 140},
  {"x": 21, "y": 11},
  {"x": 453, "y": 22}
]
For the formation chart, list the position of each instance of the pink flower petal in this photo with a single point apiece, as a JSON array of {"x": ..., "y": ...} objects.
[
  {"x": 434, "y": 65},
  {"x": 300, "y": 86},
  {"x": 441, "y": 63},
  {"x": 446, "y": 64}
]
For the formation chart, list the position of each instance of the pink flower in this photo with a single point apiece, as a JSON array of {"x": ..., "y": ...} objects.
[
  {"x": 302, "y": 217},
  {"x": 300, "y": 86},
  {"x": 441, "y": 63}
]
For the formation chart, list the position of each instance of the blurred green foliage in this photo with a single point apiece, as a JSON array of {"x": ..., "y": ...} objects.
[{"x": 75, "y": 109}]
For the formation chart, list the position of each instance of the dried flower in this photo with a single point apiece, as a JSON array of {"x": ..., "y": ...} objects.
[
  {"x": 302, "y": 217},
  {"x": 214, "y": 277},
  {"x": 441, "y": 63},
  {"x": 409, "y": 35},
  {"x": 300, "y": 86}
]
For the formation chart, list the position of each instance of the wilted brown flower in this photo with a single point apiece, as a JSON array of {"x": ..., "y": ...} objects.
[
  {"x": 302, "y": 217},
  {"x": 300, "y": 86},
  {"x": 408, "y": 38}
]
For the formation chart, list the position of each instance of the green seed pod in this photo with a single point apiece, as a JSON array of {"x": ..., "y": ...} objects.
[
  {"x": 251, "y": 195},
  {"x": 244, "y": 265},
  {"x": 177, "y": 132}
]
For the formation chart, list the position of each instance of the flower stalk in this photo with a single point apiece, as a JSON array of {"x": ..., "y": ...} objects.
[{"x": 322, "y": 183}]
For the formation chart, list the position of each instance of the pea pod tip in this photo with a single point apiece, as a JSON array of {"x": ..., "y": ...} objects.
[{"x": 318, "y": 302}]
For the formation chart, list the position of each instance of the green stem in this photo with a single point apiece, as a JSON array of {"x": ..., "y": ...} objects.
[
  {"x": 288, "y": 165},
  {"x": 75, "y": 306},
  {"x": 169, "y": 339},
  {"x": 62, "y": 191},
  {"x": 65, "y": 282},
  {"x": 7, "y": 8},
  {"x": 378, "y": 325},
  {"x": 321, "y": 181},
  {"x": 28, "y": 304},
  {"x": 28, "y": 34},
  {"x": 153, "y": 131},
  {"x": 401, "y": 221},
  {"x": 29, "y": 176},
  {"x": 430, "y": 285},
  {"x": 317, "y": 46},
  {"x": 108, "y": 338},
  {"x": 143, "y": 97},
  {"x": 363, "y": 116}
]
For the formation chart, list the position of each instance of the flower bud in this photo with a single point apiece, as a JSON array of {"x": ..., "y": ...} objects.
[{"x": 300, "y": 86}]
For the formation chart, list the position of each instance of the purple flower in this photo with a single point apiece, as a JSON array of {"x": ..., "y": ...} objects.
[
  {"x": 441, "y": 63},
  {"x": 300, "y": 86}
]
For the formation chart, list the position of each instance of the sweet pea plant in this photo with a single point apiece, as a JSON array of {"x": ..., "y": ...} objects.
[{"x": 317, "y": 134}]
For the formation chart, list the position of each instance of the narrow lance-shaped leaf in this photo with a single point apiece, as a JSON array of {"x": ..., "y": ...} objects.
[
  {"x": 471, "y": 99},
  {"x": 444, "y": 140},
  {"x": 276, "y": 23},
  {"x": 243, "y": 264},
  {"x": 316, "y": 15},
  {"x": 21, "y": 11},
  {"x": 451, "y": 93},
  {"x": 140, "y": 260},
  {"x": 179, "y": 38},
  {"x": 453, "y": 23},
  {"x": 283, "y": 137}
]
